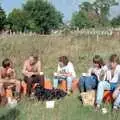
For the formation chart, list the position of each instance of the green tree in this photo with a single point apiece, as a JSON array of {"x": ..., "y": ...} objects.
[
  {"x": 115, "y": 22},
  {"x": 80, "y": 20},
  {"x": 42, "y": 16},
  {"x": 93, "y": 14},
  {"x": 2, "y": 19},
  {"x": 86, "y": 17},
  {"x": 103, "y": 8},
  {"x": 17, "y": 20}
]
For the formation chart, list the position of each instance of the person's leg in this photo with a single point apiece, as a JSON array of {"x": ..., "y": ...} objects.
[
  {"x": 55, "y": 82},
  {"x": 117, "y": 102},
  {"x": 69, "y": 83},
  {"x": 103, "y": 85},
  {"x": 2, "y": 91},
  {"x": 113, "y": 86},
  {"x": 90, "y": 83},
  {"x": 18, "y": 87},
  {"x": 29, "y": 84},
  {"x": 82, "y": 83},
  {"x": 36, "y": 79},
  {"x": 116, "y": 93},
  {"x": 3, "y": 98}
]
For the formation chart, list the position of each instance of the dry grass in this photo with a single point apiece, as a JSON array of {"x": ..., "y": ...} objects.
[{"x": 79, "y": 49}]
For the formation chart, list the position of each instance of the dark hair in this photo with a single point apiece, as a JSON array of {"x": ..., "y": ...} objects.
[
  {"x": 34, "y": 56},
  {"x": 114, "y": 58},
  {"x": 97, "y": 59},
  {"x": 6, "y": 63},
  {"x": 64, "y": 60}
]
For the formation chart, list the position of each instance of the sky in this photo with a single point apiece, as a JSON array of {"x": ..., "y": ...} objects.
[{"x": 67, "y": 7}]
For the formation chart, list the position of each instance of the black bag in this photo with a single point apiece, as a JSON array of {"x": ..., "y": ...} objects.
[{"x": 46, "y": 94}]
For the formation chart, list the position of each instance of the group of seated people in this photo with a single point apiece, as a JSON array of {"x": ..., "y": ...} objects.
[{"x": 101, "y": 76}]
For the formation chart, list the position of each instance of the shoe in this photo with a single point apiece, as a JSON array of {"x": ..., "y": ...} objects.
[
  {"x": 115, "y": 108},
  {"x": 32, "y": 96},
  {"x": 97, "y": 108},
  {"x": 104, "y": 111},
  {"x": 12, "y": 102},
  {"x": 69, "y": 93}
]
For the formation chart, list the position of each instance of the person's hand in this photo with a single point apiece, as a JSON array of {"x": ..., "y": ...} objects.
[
  {"x": 55, "y": 74},
  {"x": 9, "y": 71},
  {"x": 30, "y": 74}
]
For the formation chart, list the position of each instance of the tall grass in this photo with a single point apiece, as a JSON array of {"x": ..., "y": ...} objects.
[{"x": 79, "y": 49}]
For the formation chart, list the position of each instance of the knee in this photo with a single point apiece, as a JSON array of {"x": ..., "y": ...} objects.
[
  {"x": 69, "y": 79},
  {"x": 1, "y": 84},
  {"x": 18, "y": 82},
  {"x": 100, "y": 84},
  {"x": 55, "y": 80}
]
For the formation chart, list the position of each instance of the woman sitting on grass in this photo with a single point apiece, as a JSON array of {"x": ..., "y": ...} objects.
[
  {"x": 8, "y": 76},
  {"x": 89, "y": 80},
  {"x": 31, "y": 71},
  {"x": 116, "y": 97},
  {"x": 111, "y": 81},
  {"x": 66, "y": 72}
]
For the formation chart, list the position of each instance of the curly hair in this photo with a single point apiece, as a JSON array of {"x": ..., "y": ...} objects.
[{"x": 6, "y": 63}]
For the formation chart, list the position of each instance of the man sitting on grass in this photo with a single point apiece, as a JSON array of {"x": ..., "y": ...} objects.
[
  {"x": 31, "y": 71},
  {"x": 8, "y": 76}
]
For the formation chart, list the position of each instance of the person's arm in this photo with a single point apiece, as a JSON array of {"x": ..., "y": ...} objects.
[
  {"x": 116, "y": 92},
  {"x": 1, "y": 80},
  {"x": 102, "y": 75},
  {"x": 25, "y": 72},
  {"x": 58, "y": 69},
  {"x": 70, "y": 72},
  {"x": 11, "y": 73},
  {"x": 38, "y": 67},
  {"x": 108, "y": 75},
  {"x": 0, "y": 76},
  {"x": 115, "y": 75}
]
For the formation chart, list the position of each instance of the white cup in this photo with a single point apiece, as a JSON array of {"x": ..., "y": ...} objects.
[
  {"x": 41, "y": 73},
  {"x": 55, "y": 74}
]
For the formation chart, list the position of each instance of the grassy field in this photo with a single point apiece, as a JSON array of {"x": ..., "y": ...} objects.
[{"x": 79, "y": 49}]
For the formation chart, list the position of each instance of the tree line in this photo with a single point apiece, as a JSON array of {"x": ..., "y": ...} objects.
[{"x": 42, "y": 17}]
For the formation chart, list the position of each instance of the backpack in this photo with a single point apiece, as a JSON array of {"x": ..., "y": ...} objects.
[{"x": 48, "y": 94}]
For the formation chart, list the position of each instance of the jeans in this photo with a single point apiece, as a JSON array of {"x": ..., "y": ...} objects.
[
  {"x": 87, "y": 83},
  {"x": 68, "y": 79},
  {"x": 117, "y": 101},
  {"x": 102, "y": 86}
]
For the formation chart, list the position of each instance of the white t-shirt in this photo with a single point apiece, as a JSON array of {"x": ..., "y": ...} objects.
[
  {"x": 69, "y": 68},
  {"x": 116, "y": 76}
]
